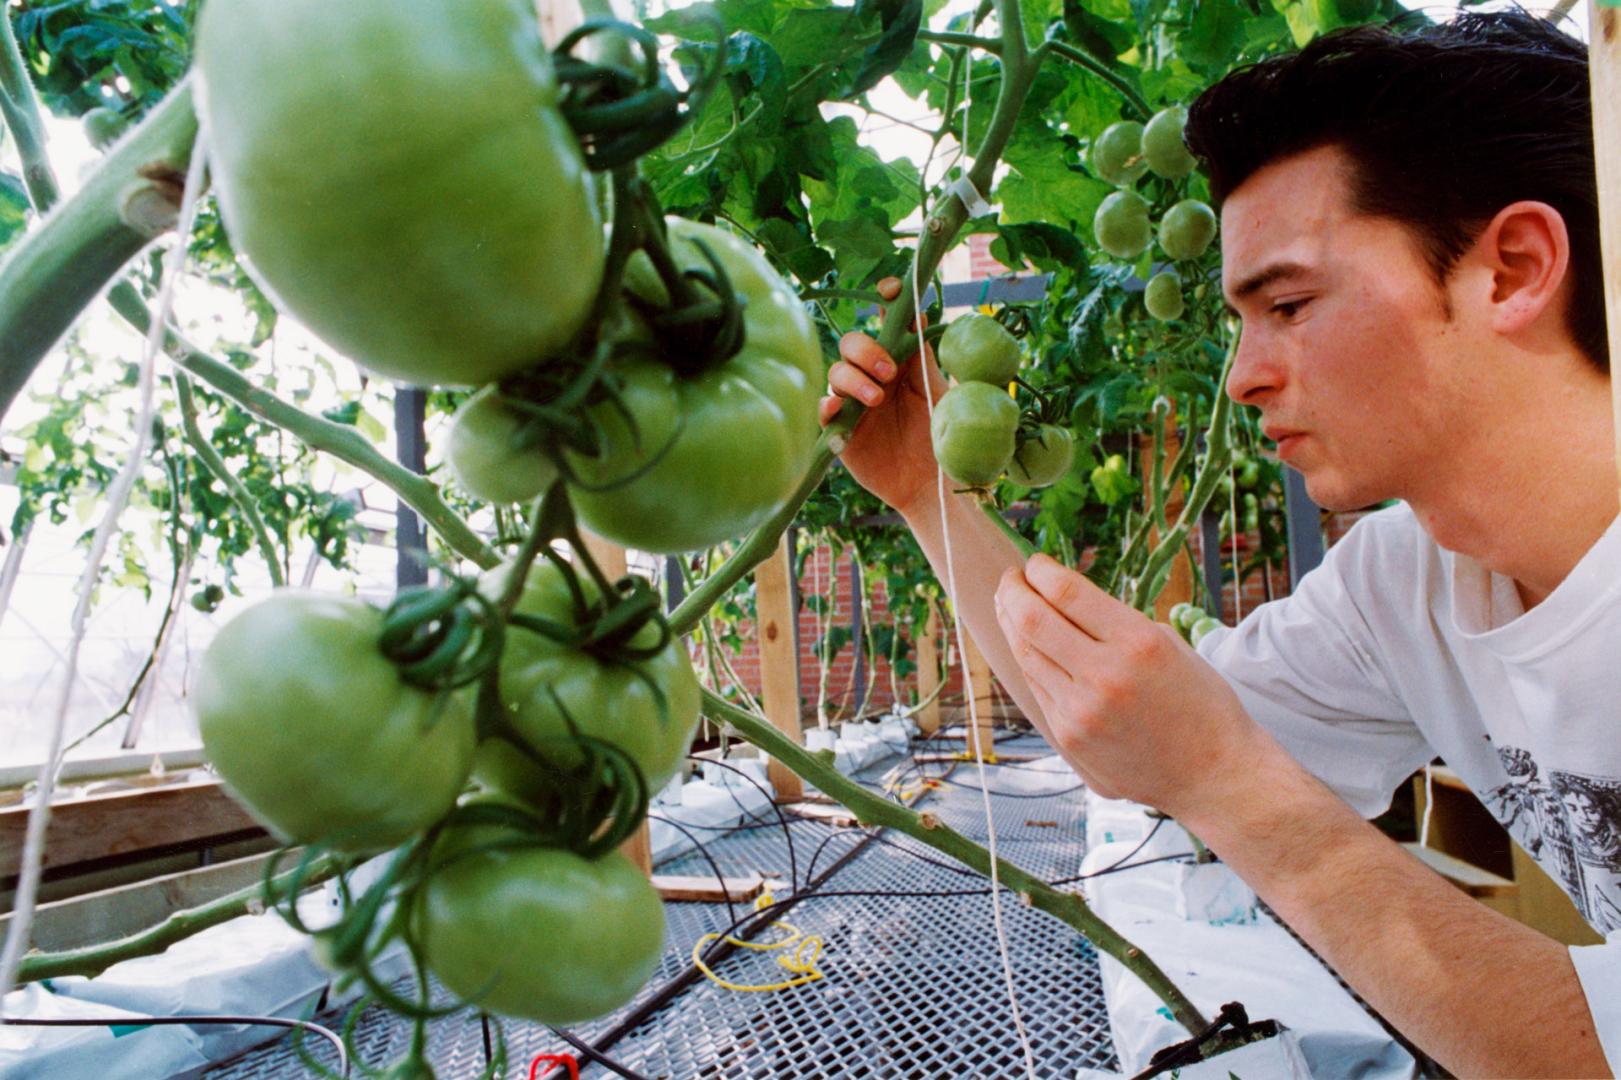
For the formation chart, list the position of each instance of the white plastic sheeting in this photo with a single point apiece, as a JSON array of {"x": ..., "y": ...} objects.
[
  {"x": 255, "y": 965},
  {"x": 1250, "y": 960}
]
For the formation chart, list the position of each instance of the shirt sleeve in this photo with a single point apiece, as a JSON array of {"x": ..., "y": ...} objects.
[
  {"x": 1307, "y": 668},
  {"x": 1599, "y": 969}
]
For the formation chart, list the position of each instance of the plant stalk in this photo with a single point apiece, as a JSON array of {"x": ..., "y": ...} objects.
[
  {"x": 56, "y": 269},
  {"x": 341, "y": 441}
]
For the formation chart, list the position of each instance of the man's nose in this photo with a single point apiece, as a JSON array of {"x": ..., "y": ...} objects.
[{"x": 1255, "y": 376}]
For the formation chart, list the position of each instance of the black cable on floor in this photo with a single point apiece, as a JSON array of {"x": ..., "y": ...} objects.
[
  {"x": 771, "y": 801},
  {"x": 720, "y": 878}
]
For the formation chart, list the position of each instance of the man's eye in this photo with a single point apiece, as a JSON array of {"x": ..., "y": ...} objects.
[{"x": 1288, "y": 309}]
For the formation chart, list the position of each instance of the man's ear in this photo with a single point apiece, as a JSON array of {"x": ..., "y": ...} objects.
[{"x": 1526, "y": 249}]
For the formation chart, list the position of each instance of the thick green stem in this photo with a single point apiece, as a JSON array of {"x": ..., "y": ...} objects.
[
  {"x": 1204, "y": 486},
  {"x": 20, "y": 107},
  {"x": 340, "y": 440},
  {"x": 874, "y": 810},
  {"x": 58, "y": 268},
  {"x": 94, "y": 959},
  {"x": 215, "y": 464}
]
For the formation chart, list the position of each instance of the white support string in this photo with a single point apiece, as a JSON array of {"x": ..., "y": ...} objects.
[
  {"x": 1429, "y": 804},
  {"x": 118, "y": 496},
  {"x": 962, "y": 646}
]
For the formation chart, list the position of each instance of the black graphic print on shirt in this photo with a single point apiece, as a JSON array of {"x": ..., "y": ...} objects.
[{"x": 1571, "y": 824}]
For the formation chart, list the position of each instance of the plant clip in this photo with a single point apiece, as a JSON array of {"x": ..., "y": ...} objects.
[
  {"x": 619, "y": 115},
  {"x": 1232, "y": 1028}
]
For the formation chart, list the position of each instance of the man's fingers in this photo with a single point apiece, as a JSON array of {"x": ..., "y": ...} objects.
[
  {"x": 828, "y": 408},
  {"x": 850, "y": 381},
  {"x": 1029, "y": 621},
  {"x": 1096, "y": 612},
  {"x": 862, "y": 351},
  {"x": 889, "y": 287}
]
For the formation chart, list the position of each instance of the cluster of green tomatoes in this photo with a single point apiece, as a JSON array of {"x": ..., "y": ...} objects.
[
  {"x": 1123, "y": 154},
  {"x": 421, "y": 185},
  {"x": 1192, "y": 622},
  {"x": 979, "y": 431}
]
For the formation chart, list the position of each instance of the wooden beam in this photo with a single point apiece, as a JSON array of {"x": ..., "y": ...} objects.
[
  {"x": 779, "y": 661},
  {"x": 125, "y": 822},
  {"x": 982, "y": 713},
  {"x": 708, "y": 890},
  {"x": 128, "y": 909},
  {"x": 1604, "y": 74},
  {"x": 928, "y": 673}
]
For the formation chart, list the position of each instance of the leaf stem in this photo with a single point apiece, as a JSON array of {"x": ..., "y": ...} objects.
[
  {"x": 212, "y": 461},
  {"x": 340, "y": 440}
]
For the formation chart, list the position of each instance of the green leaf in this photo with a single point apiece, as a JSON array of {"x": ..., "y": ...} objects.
[
  {"x": 1046, "y": 246},
  {"x": 14, "y": 207},
  {"x": 900, "y": 19},
  {"x": 1213, "y": 40},
  {"x": 791, "y": 246}
]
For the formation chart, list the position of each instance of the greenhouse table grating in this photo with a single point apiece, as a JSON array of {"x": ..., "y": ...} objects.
[{"x": 913, "y": 986}]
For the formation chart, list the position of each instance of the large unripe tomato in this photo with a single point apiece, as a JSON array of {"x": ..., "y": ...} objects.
[
  {"x": 1163, "y": 296},
  {"x": 1117, "y": 154},
  {"x": 317, "y": 734},
  {"x": 1044, "y": 458},
  {"x": 1163, "y": 149},
  {"x": 484, "y": 454},
  {"x": 1186, "y": 230},
  {"x": 733, "y": 439},
  {"x": 977, "y": 348},
  {"x": 1121, "y": 225},
  {"x": 541, "y": 933},
  {"x": 399, "y": 179},
  {"x": 612, "y": 701},
  {"x": 973, "y": 428}
]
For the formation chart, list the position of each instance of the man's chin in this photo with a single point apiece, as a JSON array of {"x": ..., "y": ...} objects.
[{"x": 1333, "y": 494}]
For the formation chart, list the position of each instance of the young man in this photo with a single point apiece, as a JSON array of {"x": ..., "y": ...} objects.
[{"x": 1410, "y": 236}]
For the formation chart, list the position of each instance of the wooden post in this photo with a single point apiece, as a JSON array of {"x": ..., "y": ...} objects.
[
  {"x": 928, "y": 673},
  {"x": 1604, "y": 58},
  {"x": 979, "y": 690},
  {"x": 1179, "y": 588},
  {"x": 779, "y": 662}
]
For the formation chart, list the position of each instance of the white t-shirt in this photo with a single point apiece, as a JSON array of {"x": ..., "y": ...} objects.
[{"x": 1394, "y": 650}]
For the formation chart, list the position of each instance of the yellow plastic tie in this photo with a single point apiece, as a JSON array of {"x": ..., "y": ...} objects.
[{"x": 796, "y": 961}]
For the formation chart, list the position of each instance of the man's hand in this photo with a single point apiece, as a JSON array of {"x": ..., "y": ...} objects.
[
  {"x": 1135, "y": 711},
  {"x": 890, "y": 453}
]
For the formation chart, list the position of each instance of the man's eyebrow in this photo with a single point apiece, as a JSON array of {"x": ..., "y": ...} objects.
[{"x": 1266, "y": 276}]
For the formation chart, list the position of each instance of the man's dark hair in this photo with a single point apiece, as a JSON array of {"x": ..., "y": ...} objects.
[{"x": 1444, "y": 126}]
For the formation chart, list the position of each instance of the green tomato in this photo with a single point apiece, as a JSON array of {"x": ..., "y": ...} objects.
[
  {"x": 484, "y": 456},
  {"x": 1163, "y": 296},
  {"x": 1186, "y": 230},
  {"x": 973, "y": 428},
  {"x": 1183, "y": 616},
  {"x": 1249, "y": 474},
  {"x": 1200, "y": 628},
  {"x": 1163, "y": 148},
  {"x": 317, "y": 734},
  {"x": 1044, "y": 459},
  {"x": 1117, "y": 154},
  {"x": 732, "y": 441},
  {"x": 1121, "y": 225},
  {"x": 400, "y": 179},
  {"x": 617, "y": 703},
  {"x": 540, "y": 933},
  {"x": 977, "y": 348},
  {"x": 103, "y": 126}
]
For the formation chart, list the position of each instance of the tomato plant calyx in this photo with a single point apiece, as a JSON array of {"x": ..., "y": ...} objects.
[
  {"x": 619, "y": 115},
  {"x": 441, "y": 637}
]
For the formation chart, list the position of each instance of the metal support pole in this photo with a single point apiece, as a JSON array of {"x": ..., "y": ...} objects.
[
  {"x": 1210, "y": 556},
  {"x": 411, "y": 438},
  {"x": 1305, "y": 527}
]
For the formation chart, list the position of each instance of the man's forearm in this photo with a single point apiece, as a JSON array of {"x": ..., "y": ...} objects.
[
  {"x": 1482, "y": 994},
  {"x": 980, "y": 554}
]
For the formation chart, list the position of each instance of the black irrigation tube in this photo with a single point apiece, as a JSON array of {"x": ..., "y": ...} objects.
[{"x": 722, "y": 950}]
